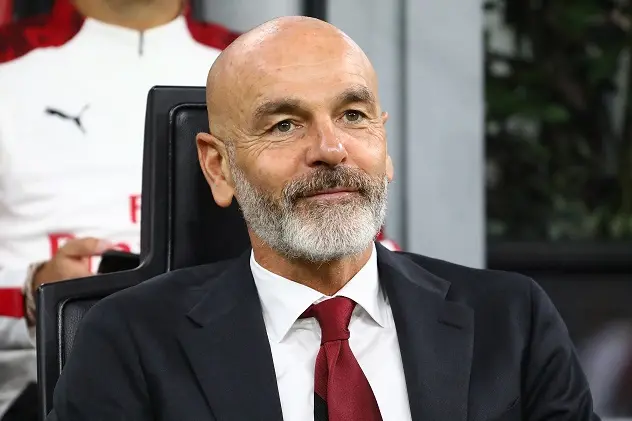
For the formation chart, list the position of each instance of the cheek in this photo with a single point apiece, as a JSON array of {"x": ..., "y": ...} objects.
[
  {"x": 274, "y": 168},
  {"x": 367, "y": 150}
]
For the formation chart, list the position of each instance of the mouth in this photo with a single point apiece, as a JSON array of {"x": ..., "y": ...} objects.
[{"x": 328, "y": 194}]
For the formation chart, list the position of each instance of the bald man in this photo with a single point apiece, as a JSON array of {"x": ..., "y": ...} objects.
[{"x": 318, "y": 322}]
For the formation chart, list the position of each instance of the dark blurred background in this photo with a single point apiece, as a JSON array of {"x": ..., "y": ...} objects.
[{"x": 558, "y": 139}]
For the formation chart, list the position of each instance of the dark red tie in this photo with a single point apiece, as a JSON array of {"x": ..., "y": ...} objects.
[{"x": 341, "y": 390}]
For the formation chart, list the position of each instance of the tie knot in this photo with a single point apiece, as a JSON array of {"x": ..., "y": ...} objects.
[{"x": 333, "y": 316}]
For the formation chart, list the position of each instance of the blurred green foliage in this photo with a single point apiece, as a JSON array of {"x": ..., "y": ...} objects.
[{"x": 558, "y": 119}]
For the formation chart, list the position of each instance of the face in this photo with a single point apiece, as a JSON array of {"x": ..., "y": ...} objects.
[{"x": 307, "y": 155}]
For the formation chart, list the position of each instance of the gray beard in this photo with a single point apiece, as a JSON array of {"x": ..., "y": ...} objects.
[{"x": 315, "y": 231}]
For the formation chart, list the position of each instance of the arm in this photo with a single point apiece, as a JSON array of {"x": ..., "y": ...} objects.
[
  {"x": 68, "y": 263},
  {"x": 102, "y": 379},
  {"x": 17, "y": 348},
  {"x": 555, "y": 388},
  {"x": 14, "y": 332}
]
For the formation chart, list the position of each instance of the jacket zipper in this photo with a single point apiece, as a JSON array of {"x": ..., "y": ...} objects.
[{"x": 141, "y": 43}]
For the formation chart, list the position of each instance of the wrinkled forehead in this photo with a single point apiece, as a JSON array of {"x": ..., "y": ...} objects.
[{"x": 315, "y": 75}]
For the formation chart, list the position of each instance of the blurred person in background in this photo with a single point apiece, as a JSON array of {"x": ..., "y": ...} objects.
[{"x": 73, "y": 90}]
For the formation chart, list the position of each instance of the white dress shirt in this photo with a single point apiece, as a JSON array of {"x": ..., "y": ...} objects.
[{"x": 295, "y": 342}]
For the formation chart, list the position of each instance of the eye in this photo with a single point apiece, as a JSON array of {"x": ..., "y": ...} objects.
[
  {"x": 284, "y": 126},
  {"x": 353, "y": 116}
]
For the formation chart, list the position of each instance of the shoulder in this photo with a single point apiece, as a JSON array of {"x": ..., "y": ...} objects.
[
  {"x": 160, "y": 298},
  {"x": 20, "y": 38},
  {"x": 210, "y": 34},
  {"x": 481, "y": 288},
  {"x": 504, "y": 304},
  {"x": 464, "y": 277}
]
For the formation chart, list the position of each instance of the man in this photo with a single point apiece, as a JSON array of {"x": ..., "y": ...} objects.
[
  {"x": 318, "y": 322},
  {"x": 73, "y": 91}
]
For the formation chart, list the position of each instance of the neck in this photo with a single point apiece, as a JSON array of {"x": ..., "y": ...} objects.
[
  {"x": 138, "y": 15},
  {"x": 324, "y": 277}
]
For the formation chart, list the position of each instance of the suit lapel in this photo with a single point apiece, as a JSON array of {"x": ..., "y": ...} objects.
[
  {"x": 435, "y": 337},
  {"x": 225, "y": 340}
]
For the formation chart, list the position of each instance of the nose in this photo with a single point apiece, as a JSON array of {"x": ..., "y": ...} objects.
[{"x": 327, "y": 148}]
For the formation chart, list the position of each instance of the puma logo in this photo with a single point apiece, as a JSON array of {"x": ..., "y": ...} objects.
[{"x": 65, "y": 116}]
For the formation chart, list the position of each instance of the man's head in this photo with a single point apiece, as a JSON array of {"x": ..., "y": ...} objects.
[{"x": 297, "y": 137}]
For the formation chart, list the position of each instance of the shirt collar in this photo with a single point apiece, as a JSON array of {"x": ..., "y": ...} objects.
[
  {"x": 283, "y": 300},
  {"x": 170, "y": 33}
]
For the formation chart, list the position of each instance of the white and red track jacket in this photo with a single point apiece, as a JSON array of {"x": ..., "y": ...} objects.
[{"x": 73, "y": 93}]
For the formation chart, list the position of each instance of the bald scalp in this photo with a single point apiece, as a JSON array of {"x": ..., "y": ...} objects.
[{"x": 280, "y": 42}]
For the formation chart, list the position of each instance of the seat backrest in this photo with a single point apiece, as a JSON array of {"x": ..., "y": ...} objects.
[
  {"x": 196, "y": 237},
  {"x": 180, "y": 226}
]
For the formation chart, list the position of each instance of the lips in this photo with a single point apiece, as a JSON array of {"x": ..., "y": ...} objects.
[
  {"x": 338, "y": 191},
  {"x": 330, "y": 195}
]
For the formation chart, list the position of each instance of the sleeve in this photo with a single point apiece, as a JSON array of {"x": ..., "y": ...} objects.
[
  {"x": 103, "y": 378},
  {"x": 14, "y": 332},
  {"x": 555, "y": 387}
]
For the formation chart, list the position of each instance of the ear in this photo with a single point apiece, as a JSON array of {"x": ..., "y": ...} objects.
[
  {"x": 384, "y": 117},
  {"x": 213, "y": 159},
  {"x": 390, "y": 171}
]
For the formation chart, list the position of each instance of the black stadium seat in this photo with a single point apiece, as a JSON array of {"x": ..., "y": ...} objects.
[{"x": 180, "y": 226}]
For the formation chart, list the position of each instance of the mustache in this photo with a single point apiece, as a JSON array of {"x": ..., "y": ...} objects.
[{"x": 325, "y": 179}]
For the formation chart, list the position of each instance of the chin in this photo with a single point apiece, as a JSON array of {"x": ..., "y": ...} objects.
[
  {"x": 332, "y": 237},
  {"x": 314, "y": 255}
]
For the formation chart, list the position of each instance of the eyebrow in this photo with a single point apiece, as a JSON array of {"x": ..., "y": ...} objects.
[
  {"x": 278, "y": 106},
  {"x": 354, "y": 94}
]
